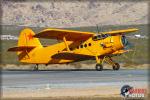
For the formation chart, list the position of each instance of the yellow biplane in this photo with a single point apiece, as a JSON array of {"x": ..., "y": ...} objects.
[{"x": 75, "y": 46}]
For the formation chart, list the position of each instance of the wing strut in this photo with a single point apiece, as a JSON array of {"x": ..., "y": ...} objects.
[{"x": 64, "y": 39}]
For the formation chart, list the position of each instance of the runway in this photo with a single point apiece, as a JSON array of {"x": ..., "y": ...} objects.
[{"x": 72, "y": 79}]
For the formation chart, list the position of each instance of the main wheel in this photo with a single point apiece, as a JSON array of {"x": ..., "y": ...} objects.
[
  {"x": 116, "y": 66},
  {"x": 99, "y": 67},
  {"x": 36, "y": 68}
]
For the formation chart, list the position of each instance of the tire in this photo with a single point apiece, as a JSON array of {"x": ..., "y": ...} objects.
[
  {"x": 99, "y": 67},
  {"x": 116, "y": 66},
  {"x": 36, "y": 68}
]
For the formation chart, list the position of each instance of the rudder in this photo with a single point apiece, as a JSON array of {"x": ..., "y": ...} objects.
[
  {"x": 27, "y": 42},
  {"x": 26, "y": 38}
]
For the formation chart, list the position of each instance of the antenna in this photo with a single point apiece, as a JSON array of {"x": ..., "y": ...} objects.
[
  {"x": 97, "y": 28},
  {"x": 98, "y": 32}
]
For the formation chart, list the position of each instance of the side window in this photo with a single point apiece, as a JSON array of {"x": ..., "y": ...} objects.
[
  {"x": 81, "y": 46},
  {"x": 85, "y": 45},
  {"x": 89, "y": 44}
]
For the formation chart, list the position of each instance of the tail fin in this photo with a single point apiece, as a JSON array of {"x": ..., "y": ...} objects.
[
  {"x": 26, "y": 43},
  {"x": 26, "y": 38}
]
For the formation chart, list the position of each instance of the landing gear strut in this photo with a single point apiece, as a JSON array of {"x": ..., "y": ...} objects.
[
  {"x": 115, "y": 65},
  {"x": 99, "y": 66},
  {"x": 36, "y": 68},
  {"x": 107, "y": 59}
]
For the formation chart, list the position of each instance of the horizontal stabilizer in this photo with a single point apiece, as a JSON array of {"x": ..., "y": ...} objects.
[{"x": 21, "y": 48}]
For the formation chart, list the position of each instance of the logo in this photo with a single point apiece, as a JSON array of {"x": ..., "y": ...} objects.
[
  {"x": 130, "y": 92},
  {"x": 30, "y": 36}
]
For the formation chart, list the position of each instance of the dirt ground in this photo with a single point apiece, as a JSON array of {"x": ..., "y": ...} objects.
[
  {"x": 94, "y": 93},
  {"x": 105, "y": 92}
]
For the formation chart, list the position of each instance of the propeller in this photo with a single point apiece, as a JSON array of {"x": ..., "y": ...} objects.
[{"x": 130, "y": 46}]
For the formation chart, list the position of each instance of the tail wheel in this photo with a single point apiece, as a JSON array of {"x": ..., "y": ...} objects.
[
  {"x": 36, "y": 68},
  {"x": 116, "y": 66},
  {"x": 99, "y": 67}
]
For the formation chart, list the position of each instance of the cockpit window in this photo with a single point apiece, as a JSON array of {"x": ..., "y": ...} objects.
[
  {"x": 95, "y": 37},
  {"x": 103, "y": 35},
  {"x": 107, "y": 35},
  {"x": 99, "y": 37}
]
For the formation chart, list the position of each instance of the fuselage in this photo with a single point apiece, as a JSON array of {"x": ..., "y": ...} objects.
[{"x": 92, "y": 47}]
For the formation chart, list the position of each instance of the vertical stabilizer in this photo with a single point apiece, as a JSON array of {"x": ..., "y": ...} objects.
[
  {"x": 26, "y": 38},
  {"x": 26, "y": 43}
]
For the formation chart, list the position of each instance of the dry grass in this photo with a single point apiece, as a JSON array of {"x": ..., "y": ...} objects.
[
  {"x": 68, "y": 98},
  {"x": 74, "y": 66}
]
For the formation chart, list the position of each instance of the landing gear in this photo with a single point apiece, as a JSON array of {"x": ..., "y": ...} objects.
[
  {"x": 99, "y": 67},
  {"x": 36, "y": 68},
  {"x": 107, "y": 59},
  {"x": 116, "y": 66}
]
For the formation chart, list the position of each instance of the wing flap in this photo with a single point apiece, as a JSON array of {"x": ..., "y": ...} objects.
[
  {"x": 60, "y": 33},
  {"x": 21, "y": 48}
]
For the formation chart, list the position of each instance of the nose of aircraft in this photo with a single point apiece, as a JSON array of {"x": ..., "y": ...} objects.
[
  {"x": 119, "y": 42},
  {"x": 116, "y": 42}
]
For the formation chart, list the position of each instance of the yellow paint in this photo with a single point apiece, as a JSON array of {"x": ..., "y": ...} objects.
[
  {"x": 121, "y": 31},
  {"x": 88, "y": 47},
  {"x": 64, "y": 39}
]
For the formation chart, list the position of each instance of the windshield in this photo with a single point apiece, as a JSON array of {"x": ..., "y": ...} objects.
[{"x": 99, "y": 37}]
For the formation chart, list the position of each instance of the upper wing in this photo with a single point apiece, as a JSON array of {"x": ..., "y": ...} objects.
[
  {"x": 121, "y": 31},
  {"x": 60, "y": 33}
]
